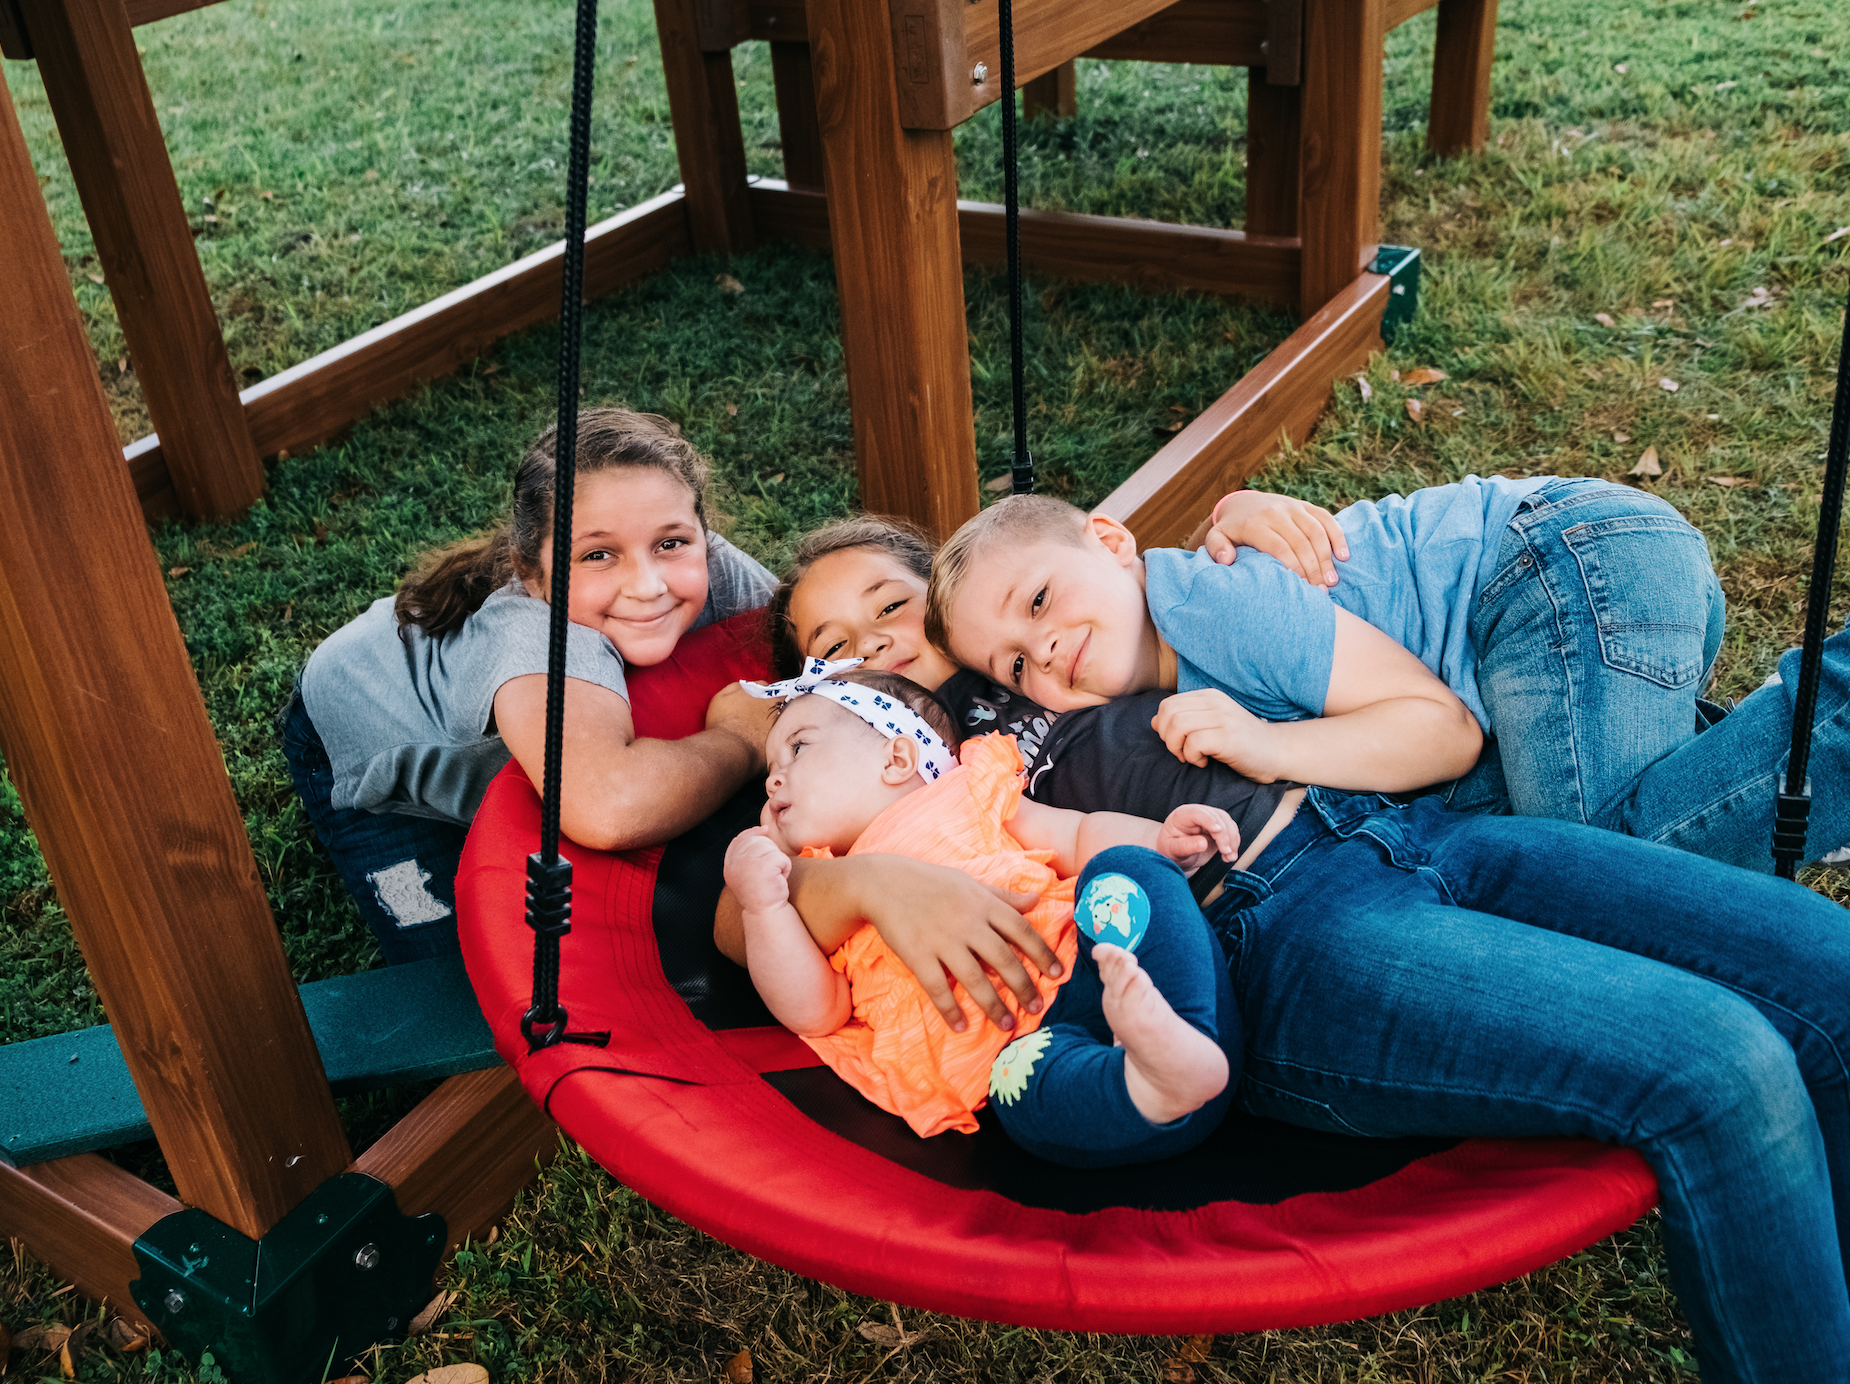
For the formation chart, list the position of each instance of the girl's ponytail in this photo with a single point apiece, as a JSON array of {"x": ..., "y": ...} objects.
[{"x": 449, "y": 584}]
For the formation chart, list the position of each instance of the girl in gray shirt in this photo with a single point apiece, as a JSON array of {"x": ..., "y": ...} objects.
[{"x": 403, "y": 715}]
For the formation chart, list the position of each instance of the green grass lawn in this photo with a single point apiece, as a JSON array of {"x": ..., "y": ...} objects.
[{"x": 1656, "y": 205}]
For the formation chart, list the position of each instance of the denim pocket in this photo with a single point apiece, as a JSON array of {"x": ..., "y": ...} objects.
[
  {"x": 1647, "y": 579},
  {"x": 1275, "y": 1103}
]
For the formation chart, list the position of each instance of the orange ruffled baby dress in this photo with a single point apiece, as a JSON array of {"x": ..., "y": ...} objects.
[{"x": 896, "y": 1049}]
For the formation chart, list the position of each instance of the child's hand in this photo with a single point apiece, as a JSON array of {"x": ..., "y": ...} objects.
[
  {"x": 1208, "y": 724},
  {"x": 1195, "y": 833},
  {"x": 736, "y": 711},
  {"x": 1299, "y": 534},
  {"x": 757, "y": 871}
]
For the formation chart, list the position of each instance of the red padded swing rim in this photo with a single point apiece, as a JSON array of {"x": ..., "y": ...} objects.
[{"x": 679, "y": 1113}]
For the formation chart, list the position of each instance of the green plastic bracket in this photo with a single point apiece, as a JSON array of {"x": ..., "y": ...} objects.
[
  {"x": 1401, "y": 263},
  {"x": 337, "y": 1274}
]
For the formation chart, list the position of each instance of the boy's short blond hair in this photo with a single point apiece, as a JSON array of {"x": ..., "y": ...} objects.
[{"x": 1019, "y": 519}]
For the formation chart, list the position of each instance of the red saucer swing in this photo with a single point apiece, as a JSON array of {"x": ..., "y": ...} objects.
[{"x": 730, "y": 1123}]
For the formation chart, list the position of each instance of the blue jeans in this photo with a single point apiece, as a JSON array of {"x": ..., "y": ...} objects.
[
  {"x": 1401, "y": 969},
  {"x": 1594, "y": 639},
  {"x": 1059, "y": 1092},
  {"x": 400, "y": 870}
]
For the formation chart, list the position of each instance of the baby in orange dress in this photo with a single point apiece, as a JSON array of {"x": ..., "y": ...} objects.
[{"x": 1132, "y": 1053}]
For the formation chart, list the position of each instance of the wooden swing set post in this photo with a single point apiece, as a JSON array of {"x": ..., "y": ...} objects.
[{"x": 154, "y": 869}]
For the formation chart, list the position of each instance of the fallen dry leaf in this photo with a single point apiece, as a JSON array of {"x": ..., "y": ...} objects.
[
  {"x": 728, "y": 284},
  {"x": 452, "y": 1374},
  {"x": 1759, "y": 298},
  {"x": 1604, "y": 319},
  {"x": 1180, "y": 1367},
  {"x": 881, "y": 1334},
  {"x": 47, "y": 1338},
  {"x": 351, "y": 1379},
  {"x": 243, "y": 548},
  {"x": 1647, "y": 464},
  {"x": 490, "y": 368},
  {"x": 739, "y": 1368},
  {"x": 1367, "y": 390},
  {"x": 1620, "y": 68},
  {"x": 98, "y": 278},
  {"x": 1669, "y": 386},
  {"x": 124, "y": 1335},
  {"x": 999, "y": 484},
  {"x": 1837, "y": 234},
  {"x": 1416, "y": 411},
  {"x": 66, "y": 1366},
  {"x": 1729, "y": 481},
  {"x": 732, "y": 410},
  {"x": 778, "y": 478},
  {"x": 1621, "y": 437},
  {"x": 267, "y": 196},
  {"x": 1663, "y": 302},
  {"x": 433, "y": 1309},
  {"x": 178, "y": 571},
  {"x": 1423, "y": 375},
  {"x": 1394, "y": 375},
  {"x": 1726, "y": 86}
]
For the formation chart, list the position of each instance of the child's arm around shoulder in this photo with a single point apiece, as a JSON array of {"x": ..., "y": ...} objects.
[
  {"x": 803, "y": 992},
  {"x": 1189, "y": 836}
]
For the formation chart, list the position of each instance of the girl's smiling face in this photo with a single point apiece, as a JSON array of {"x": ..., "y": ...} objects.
[
  {"x": 866, "y": 603},
  {"x": 639, "y": 561}
]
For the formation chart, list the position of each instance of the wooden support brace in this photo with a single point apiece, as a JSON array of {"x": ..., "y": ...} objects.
[
  {"x": 1463, "y": 52},
  {"x": 464, "y": 1152},
  {"x": 82, "y": 1216},
  {"x": 1339, "y": 190},
  {"x": 310, "y": 402},
  {"x": 161, "y": 888},
  {"x": 1054, "y": 95},
  {"x": 1279, "y": 398},
  {"x": 1273, "y": 131},
  {"x": 794, "y": 78},
  {"x": 703, "y": 102},
  {"x": 105, "y": 115},
  {"x": 1231, "y": 33},
  {"x": 892, "y": 208}
]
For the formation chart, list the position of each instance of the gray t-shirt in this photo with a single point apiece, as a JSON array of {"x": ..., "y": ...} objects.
[{"x": 405, "y": 721}]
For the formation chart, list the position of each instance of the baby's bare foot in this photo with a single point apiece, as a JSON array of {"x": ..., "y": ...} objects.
[{"x": 1171, "y": 1067}]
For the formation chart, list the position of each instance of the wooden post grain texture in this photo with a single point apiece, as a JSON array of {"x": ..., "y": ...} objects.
[
  {"x": 1163, "y": 500},
  {"x": 794, "y": 78},
  {"x": 465, "y": 1151},
  {"x": 1464, "y": 49},
  {"x": 82, "y": 1216},
  {"x": 703, "y": 103},
  {"x": 1053, "y": 95},
  {"x": 893, "y": 225},
  {"x": 105, "y": 114},
  {"x": 1231, "y": 33},
  {"x": 105, "y": 734},
  {"x": 1273, "y": 132},
  {"x": 1339, "y": 189}
]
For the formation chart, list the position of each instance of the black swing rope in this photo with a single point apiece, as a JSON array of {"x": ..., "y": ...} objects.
[
  {"x": 549, "y": 874},
  {"x": 1795, "y": 801},
  {"x": 1021, "y": 469}
]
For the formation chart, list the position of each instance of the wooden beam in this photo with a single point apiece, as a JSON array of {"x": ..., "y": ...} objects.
[
  {"x": 1098, "y": 249},
  {"x": 161, "y": 887},
  {"x": 1284, "y": 42},
  {"x": 1054, "y": 95},
  {"x": 1166, "y": 497},
  {"x": 1273, "y": 131},
  {"x": 14, "y": 43},
  {"x": 794, "y": 78},
  {"x": 464, "y": 1152},
  {"x": 1463, "y": 52},
  {"x": 1227, "y": 32},
  {"x": 937, "y": 47},
  {"x": 893, "y": 224},
  {"x": 82, "y": 1216},
  {"x": 1339, "y": 190},
  {"x": 118, "y": 158},
  {"x": 310, "y": 402},
  {"x": 777, "y": 21},
  {"x": 1400, "y": 11},
  {"x": 703, "y": 103}
]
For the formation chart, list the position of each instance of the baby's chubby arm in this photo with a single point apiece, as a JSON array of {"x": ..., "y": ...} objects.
[
  {"x": 1190, "y": 835},
  {"x": 805, "y": 994}
]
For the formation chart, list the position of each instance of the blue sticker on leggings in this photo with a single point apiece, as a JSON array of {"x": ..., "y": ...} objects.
[{"x": 1113, "y": 908}]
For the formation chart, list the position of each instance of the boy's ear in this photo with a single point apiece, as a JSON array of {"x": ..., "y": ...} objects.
[
  {"x": 902, "y": 762},
  {"x": 1115, "y": 538}
]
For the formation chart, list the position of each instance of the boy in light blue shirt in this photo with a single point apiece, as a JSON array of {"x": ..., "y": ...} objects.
[{"x": 1571, "y": 621}]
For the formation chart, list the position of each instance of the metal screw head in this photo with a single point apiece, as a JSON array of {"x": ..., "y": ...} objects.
[
  {"x": 979, "y": 74},
  {"x": 367, "y": 1256},
  {"x": 174, "y": 1301}
]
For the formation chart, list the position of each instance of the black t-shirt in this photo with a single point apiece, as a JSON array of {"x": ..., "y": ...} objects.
[{"x": 1108, "y": 759}]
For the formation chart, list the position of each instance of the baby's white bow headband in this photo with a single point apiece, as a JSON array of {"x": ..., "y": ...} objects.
[{"x": 880, "y": 711}]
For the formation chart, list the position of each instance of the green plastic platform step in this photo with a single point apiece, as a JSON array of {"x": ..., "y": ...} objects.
[{"x": 72, "y": 1093}]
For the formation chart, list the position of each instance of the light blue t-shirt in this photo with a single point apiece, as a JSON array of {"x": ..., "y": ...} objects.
[
  {"x": 405, "y": 720},
  {"x": 1267, "y": 638}
]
